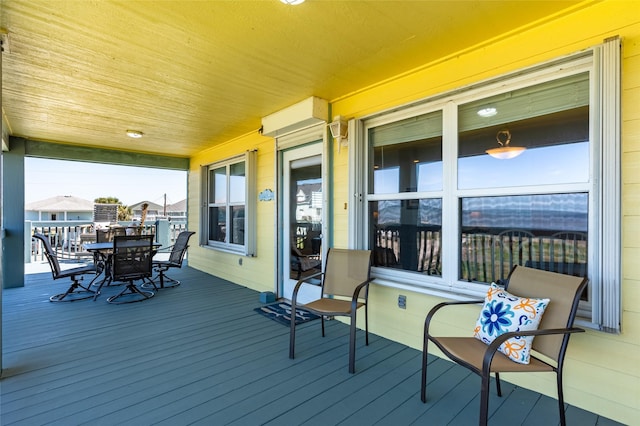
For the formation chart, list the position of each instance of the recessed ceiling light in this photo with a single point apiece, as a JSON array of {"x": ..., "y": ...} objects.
[
  {"x": 292, "y": 2},
  {"x": 136, "y": 134},
  {"x": 487, "y": 112}
]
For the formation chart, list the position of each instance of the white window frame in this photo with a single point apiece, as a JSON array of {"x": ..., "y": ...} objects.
[
  {"x": 602, "y": 63},
  {"x": 249, "y": 246}
]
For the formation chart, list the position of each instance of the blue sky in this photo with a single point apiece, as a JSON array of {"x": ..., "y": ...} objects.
[{"x": 48, "y": 178}]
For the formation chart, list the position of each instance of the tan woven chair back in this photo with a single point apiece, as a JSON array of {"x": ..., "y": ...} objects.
[
  {"x": 344, "y": 270},
  {"x": 564, "y": 294}
]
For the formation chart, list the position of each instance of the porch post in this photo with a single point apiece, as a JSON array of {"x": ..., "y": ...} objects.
[
  {"x": 1, "y": 200},
  {"x": 13, "y": 214},
  {"x": 162, "y": 232}
]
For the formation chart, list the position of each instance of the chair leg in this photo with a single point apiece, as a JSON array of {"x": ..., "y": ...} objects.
[
  {"x": 322, "y": 321},
  {"x": 484, "y": 399},
  {"x": 163, "y": 281},
  {"x": 498, "y": 388},
  {"x": 292, "y": 332},
  {"x": 149, "y": 283},
  {"x": 72, "y": 291},
  {"x": 423, "y": 386},
  {"x": 352, "y": 344},
  {"x": 366, "y": 324},
  {"x": 563, "y": 420},
  {"x": 130, "y": 288},
  {"x": 105, "y": 279}
]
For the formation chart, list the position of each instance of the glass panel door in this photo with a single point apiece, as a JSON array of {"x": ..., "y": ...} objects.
[{"x": 301, "y": 244}]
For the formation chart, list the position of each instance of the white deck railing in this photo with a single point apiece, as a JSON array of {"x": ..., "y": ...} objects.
[{"x": 68, "y": 236}]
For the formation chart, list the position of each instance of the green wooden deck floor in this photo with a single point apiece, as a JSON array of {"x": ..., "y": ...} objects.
[{"x": 199, "y": 354}]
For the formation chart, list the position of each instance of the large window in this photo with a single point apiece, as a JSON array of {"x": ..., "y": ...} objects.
[
  {"x": 461, "y": 188},
  {"x": 227, "y": 211},
  {"x": 405, "y": 201},
  {"x": 541, "y": 133}
]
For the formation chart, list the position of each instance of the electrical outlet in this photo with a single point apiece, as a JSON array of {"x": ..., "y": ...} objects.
[{"x": 402, "y": 302}]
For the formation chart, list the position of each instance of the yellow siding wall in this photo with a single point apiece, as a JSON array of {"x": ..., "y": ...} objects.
[
  {"x": 340, "y": 185},
  {"x": 602, "y": 372},
  {"x": 258, "y": 272}
]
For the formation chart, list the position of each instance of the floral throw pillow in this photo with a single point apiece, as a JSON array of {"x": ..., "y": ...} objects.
[{"x": 503, "y": 312}]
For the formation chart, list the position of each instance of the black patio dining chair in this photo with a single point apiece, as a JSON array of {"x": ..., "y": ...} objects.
[
  {"x": 103, "y": 235},
  {"x": 76, "y": 291},
  {"x": 160, "y": 266},
  {"x": 130, "y": 262}
]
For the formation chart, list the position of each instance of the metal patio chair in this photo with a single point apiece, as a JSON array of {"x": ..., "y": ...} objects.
[
  {"x": 345, "y": 288},
  {"x": 76, "y": 290},
  {"x": 551, "y": 342},
  {"x": 131, "y": 261},
  {"x": 176, "y": 256}
]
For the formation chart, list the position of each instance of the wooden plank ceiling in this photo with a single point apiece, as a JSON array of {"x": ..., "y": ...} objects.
[{"x": 191, "y": 74}]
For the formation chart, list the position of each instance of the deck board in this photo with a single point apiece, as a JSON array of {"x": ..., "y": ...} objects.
[{"x": 199, "y": 354}]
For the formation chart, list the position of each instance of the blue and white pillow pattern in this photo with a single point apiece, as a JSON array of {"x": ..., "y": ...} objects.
[{"x": 503, "y": 312}]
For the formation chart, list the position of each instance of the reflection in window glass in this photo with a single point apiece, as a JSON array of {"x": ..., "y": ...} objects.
[
  {"x": 217, "y": 224},
  {"x": 406, "y": 234},
  {"x": 236, "y": 233},
  {"x": 429, "y": 176},
  {"x": 237, "y": 183},
  {"x": 541, "y": 231},
  {"x": 550, "y": 121},
  {"x": 539, "y": 166},
  {"x": 219, "y": 185},
  {"x": 406, "y": 156},
  {"x": 386, "y": 181}
]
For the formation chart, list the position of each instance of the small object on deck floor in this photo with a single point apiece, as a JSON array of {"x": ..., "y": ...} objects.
[{"x": 267, "y": 297}]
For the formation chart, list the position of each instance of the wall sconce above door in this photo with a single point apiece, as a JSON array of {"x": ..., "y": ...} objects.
[{"x": 339, "y": 129}]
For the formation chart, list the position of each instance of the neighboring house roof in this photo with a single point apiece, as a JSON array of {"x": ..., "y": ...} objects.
[
  {"x": 180, "y": 206},
  {"x": 61, "y": 203},
  {"x": 152, "y": 206}
]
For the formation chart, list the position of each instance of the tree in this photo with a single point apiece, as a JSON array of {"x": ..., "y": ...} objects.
[
  {"x": 107, "y": 200},
  {"x": 124, "y": 213}
]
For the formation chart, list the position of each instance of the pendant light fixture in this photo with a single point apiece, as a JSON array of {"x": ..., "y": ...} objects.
[{"x": 505, "y": 151}]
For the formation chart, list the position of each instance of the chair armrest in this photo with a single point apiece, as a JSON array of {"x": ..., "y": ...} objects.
[
  {"x": 301, "y": 281},
  {"x": 432, "y": 312},
  {"x": 166, "y": 249},
  {"x": 356, "y": 293},
  {"x": 493, "y": 347}
]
